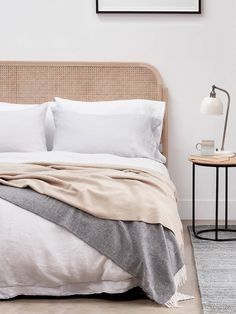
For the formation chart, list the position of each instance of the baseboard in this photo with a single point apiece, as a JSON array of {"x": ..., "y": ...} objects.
[{"x": 205, "y": 209}]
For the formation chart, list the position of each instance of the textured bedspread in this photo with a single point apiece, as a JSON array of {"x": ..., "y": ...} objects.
[
  {"x": 149, "y": 252},
  {"x": 109, "y": 192},
  {"x": 128, "y": 215}
]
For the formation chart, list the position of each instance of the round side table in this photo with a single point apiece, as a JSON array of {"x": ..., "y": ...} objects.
[{"x": 217, "y": 164}]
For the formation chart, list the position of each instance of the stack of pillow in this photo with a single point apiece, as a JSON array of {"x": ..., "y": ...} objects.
[{"x": 127, "y": 128}]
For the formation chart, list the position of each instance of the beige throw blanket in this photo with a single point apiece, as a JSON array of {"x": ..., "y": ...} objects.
[{"x": 109, "y": 192}]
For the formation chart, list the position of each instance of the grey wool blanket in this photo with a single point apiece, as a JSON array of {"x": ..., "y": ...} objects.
[{"x": 149, "y": 252}]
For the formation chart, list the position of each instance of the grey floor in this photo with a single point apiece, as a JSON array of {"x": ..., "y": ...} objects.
[{"x": 93, "y": 306}]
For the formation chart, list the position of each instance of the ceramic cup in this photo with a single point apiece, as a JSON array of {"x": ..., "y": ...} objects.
[{"x": 206, "y": 147}]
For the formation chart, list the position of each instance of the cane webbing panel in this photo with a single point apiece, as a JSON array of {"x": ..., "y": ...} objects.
[{"x": 37, "y": 82}]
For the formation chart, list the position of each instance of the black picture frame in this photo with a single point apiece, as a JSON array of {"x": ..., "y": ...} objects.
[{"x": 100, "y": 11}]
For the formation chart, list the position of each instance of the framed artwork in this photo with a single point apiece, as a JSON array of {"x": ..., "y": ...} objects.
[{"x": 148, "y": 6}]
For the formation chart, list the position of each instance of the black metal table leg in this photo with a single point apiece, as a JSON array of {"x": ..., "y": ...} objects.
[
  {"x": 216, "y": 203},
  {"x": 226, "y": 197},
  {"x": 193, "y": 199},
  {"x": 217, "y": 228}
]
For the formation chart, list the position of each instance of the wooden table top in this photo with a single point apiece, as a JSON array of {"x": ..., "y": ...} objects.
[{"x": 213, "y": 161}]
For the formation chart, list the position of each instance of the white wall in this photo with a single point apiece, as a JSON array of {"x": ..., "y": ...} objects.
[{"x": 191, "y": 52}]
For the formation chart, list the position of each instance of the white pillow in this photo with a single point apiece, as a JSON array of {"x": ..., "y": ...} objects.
[
  {"x": 155, "y": 109},
  {"x": 50, "y": 127},
  {"x": 23, "y": 130},
  {"x": 124, "y": 135}
]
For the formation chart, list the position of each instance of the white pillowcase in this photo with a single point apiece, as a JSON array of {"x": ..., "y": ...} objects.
[
  {"x": 124, "y": 135},
  {"x": 50, "y": 126},
  {"x": 23, "y": 130},
  {"x": 153, "y": 108}
]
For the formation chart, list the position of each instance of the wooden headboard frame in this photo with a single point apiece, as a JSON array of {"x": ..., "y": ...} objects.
[{"x": 37, "y": 82}]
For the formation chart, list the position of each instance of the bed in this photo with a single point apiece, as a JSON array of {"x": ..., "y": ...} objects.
[{"x": 41, "y": 255}]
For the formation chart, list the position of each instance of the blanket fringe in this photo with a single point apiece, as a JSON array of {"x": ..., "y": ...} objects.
[{"x": 179, "y": 278}]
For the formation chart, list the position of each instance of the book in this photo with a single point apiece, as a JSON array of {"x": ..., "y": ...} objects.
[{"x": 220, "y": 157}]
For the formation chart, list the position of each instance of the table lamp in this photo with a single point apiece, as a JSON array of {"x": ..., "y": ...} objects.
[{"x": 213, "y": 105}]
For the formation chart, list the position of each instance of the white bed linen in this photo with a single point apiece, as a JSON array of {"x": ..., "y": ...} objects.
[
  {"x": 62, "y": 156},
  {"x": 38, "y": 257}
]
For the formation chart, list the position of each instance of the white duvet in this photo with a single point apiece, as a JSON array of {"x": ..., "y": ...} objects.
[{"x": 38, "y": 257}]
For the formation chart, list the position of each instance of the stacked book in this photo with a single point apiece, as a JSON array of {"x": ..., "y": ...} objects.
[{"x": 215, "y": 157}]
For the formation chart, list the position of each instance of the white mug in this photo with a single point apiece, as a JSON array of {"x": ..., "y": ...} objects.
[{"x": 206, "y": 147}]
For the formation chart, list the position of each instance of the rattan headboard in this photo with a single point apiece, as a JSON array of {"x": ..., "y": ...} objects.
[{"x": 37, "y": 82}]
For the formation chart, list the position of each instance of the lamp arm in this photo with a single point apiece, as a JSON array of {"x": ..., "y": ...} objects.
[{"x": 227, "y": 113}]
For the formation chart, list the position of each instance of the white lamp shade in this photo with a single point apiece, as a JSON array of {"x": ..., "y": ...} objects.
[{"x": 211, "y": 105}]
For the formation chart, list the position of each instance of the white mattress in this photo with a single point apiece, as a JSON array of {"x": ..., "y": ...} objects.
[{"x": 38, "y": 257}]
